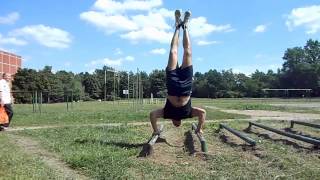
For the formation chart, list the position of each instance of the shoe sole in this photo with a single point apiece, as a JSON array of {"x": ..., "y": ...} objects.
[
  {"x": 187, "y": 15},
  {"x": 177, "y": 15}
]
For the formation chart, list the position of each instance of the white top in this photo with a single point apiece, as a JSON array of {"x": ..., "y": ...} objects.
[{"x": 5, "y": 92}]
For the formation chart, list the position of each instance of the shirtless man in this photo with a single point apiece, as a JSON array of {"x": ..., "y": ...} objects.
[{"x": 179, "y": 82}]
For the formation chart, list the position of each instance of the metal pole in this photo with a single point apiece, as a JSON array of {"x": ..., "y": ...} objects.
[
  {"x": 155, "y": 137},
  {"x": 67, "y": 102},
  {"x": 137, "y": 89},
  {"x": 105, "y": 84},
  {"x": 40, "y": 104},
  {"x": 128, "y": 87},
  {"x": 239, "y": 134},
  {"x": 294, "y": 136},
  {"x": 204, "y": 147},
  {"x": 118, "y": 83},
  {"x": 305, "y": 124},
  {"x": 71, "y": 99},
  {"x": 133, "y": 92},
  {"x": 114, "y": 85},
  {"x": 140, "y": 87},
  {"x": 36, "y": 101},
  {"x": 33, "y": 101}
]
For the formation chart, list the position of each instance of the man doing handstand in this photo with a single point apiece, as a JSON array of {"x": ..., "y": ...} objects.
[{"x": 179, "y": 82}]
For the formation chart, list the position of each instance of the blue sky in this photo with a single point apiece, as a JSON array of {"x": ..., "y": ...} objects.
[{"x": 80, "y": 36}]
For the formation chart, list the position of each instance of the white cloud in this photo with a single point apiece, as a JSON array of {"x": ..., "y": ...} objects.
[
  {"x": 205, "y": 43},
  {"x": 109, "y": 23},
  {"x": 132, "y": 26},
  {"x": 307, "y": 17},
  {"x": 10, "y": 18},
  {"x": 129, "y": 58},
  {"x": 26, "y": 58},
  {"x": 148, "y": 34},
  {"x": 118, "y": 51},
  {"x": 12, "y": 40},
  {"x": 44, "y": 35},
  {"x": 143, "y": 21},
  {"x": 155, "y": 20},
  {"x": 105, "y": 61},
  {"x": 114, "y": 7},
  {"x": 164, "y": 12},
  {"x": 200, "y": 59},
  {"x": 11, "y": 50},
  {"x": 262, "y": 62},
  {"x": 67, "y": 64},
  {"x": 200, "y": 27},
  {"x": 111, "y": 62},
  {"x": 108, "y": 62},
  {"x": 249, "y": 69},
  {"x": 160, "y": 51},
  {"x": 259, "y": 56},
  {"x": 260, "y": 28}
]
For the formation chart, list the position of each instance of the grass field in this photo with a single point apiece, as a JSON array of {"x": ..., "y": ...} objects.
[
  {"x": 95, "y": 112},
  {"x": 105, "y": 152}
]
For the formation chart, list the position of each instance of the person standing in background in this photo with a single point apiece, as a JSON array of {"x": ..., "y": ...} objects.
[{"x": 5, "y": 96}]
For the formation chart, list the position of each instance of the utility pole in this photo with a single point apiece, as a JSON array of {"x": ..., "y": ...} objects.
[
  {"x": 114, "y": 85},
  {"x": 105, "y": 84},
  {"x": 128, "y": 87}
]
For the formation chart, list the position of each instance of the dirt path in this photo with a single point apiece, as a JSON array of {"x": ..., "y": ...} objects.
[
  {"x": 179, "y": 147},
  {"x": 271, "y": 115},
  {"x": 33, "y": 149}
]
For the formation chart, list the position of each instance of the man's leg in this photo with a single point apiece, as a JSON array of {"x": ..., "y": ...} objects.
[
  {"x": 173, "y": 54},
  {"x": 187, "y": 54},
  {"x": 154, "y": 115}
]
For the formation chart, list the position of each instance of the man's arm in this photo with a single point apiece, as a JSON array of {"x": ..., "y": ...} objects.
[
  {"x": 154, "y": 115},
  {"x": 201, "y": 114}
]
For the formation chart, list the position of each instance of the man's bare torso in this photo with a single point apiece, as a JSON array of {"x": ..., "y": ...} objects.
[{"x": 178, "y": 101}]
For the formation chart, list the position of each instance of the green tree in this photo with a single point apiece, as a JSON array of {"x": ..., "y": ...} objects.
[
  {"x": 301, "y": 67},
  {"x": 157, "y": 83}
]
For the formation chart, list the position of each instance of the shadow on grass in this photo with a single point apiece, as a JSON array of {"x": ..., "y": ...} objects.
[
  {"x": 109, "y": 143},
  {"x": 147, "y": 149},
  {"x": 300, "y": 133},
  {"x": 283, "y": 141},
  {"x": 315, "y": 147},
  {"x": 244, "y": 146},
  {"x": 189, "y": 143}
]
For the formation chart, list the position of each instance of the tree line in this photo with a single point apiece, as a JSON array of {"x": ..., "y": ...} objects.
[{"x": 300, "y": 70}]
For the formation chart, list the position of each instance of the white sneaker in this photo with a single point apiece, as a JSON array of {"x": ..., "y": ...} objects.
[
  {"x": 186, "y": 19},
  {"x": 177, "y": 15}
]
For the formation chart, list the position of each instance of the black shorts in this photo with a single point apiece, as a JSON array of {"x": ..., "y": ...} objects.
[
  {"x": 179, "y": 81},
  {"x": 177, "y": 113}
]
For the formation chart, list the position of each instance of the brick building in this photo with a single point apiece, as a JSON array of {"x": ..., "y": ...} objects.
[{"x": 9, "y": 63}]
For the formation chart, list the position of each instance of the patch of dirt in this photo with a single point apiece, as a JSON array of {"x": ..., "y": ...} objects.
[
  {"x": 271, "y": 115},
  {"x": 311, "y": 105},
  {"x": 249, "y": 152},
  {"x": 174, "y": 148},
  {"x": 33, "y": 148}
]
